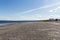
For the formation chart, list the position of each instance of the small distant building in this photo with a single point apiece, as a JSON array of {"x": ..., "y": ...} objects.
[{"x": 51, "y": 19}]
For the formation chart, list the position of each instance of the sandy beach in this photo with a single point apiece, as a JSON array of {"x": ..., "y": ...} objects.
[{"x": 31, "y": 31}]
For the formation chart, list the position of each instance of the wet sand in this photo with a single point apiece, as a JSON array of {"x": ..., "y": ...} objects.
[{"x": 31, "y": 31}]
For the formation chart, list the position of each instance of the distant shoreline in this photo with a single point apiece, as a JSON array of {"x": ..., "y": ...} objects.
[{"x": 7, "y": 24}]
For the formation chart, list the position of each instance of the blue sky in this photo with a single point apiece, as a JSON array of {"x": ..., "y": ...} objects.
[{"x": 29, "y": 9}]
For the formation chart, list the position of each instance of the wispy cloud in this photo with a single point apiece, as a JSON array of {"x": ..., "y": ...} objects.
[
  {"x": 35, "y": 16},
  {"x": 31, "y": 17},
  {"x": 46, "y": 6},
  {"x": 55, "y": 10},
  {"x": 54, "y": 16},
  {"x": 22, "y": 17}
]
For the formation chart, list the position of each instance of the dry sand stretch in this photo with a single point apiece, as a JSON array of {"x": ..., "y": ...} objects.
[{"x": 31, "y": 31}]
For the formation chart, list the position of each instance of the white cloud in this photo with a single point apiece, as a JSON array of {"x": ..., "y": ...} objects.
[
  {"x": 9, "y": 18},
  {"x": 46, "y": 6},
  {"x": 31, "y": 17},
  {"x": 55, "y": 10},
  {"x": 22, "y": 17},
  {"x": 54, "y": 16}
]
